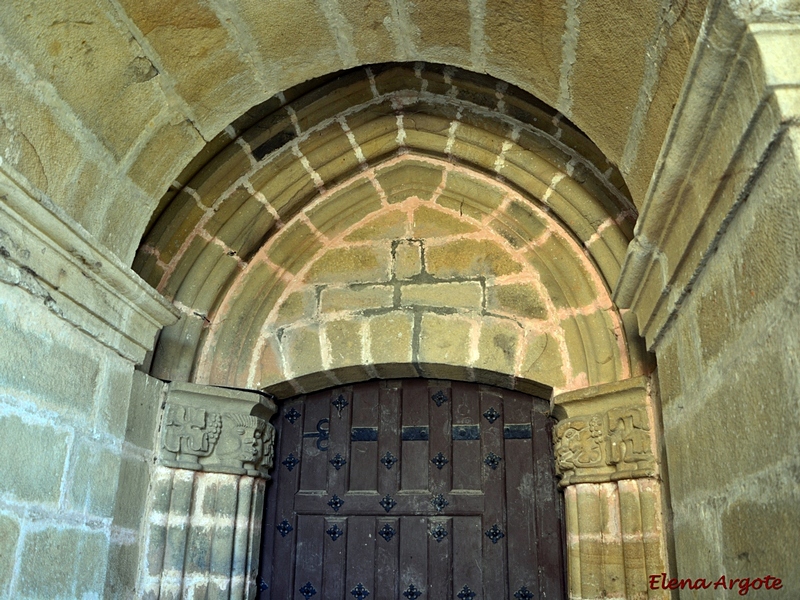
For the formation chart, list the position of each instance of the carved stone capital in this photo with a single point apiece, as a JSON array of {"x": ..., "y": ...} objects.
[
  {"x": 605, "y": 433},
  {"x": 219, "y": 430}
]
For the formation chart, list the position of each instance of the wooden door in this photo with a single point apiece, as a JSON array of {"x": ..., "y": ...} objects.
[{"x": 413, "y": 489}]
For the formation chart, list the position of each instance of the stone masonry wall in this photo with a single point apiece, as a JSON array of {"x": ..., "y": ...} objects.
[
  {"x": 63, "y": 407},
  {"x": 728, "y": 368},
  {"x": 181, "y": 72}
]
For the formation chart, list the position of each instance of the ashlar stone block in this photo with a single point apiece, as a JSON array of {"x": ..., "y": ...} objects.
[
  {"x": 34, "y": 457},
  {"x": 410, "y": 178},
  {"x": 459, "y": 295},
  {"x": 351, "y": 265},
  {"x": 431, "y": 223},
  {"x": 344, "y": 208},
  {"x": 335, "y": 299},
  {"x": 470, "y": 258},
  {"x": 518, "y": 299},
  {"x": 445, "y": 339},
  {"x": 498, "y": 345},
  {"x": 390, "y": 344},
  {"x": 470, "y": 196},
  {"x": 407, "y": 259},
  {"x": 94, "y": 479},
  {"x": 57, "y": 557},
  {"x": 386, "y": 226},
  {"x": 344, "y": 342},
  {"x": 9, "y": 534}
]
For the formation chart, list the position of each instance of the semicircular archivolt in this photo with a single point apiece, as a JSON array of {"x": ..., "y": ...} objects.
[{"x": 516, "y": 235}]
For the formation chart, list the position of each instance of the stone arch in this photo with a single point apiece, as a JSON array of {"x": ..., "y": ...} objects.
[
  {"x": 417, "y": 220},
  {"x": 356, "y": 173}
]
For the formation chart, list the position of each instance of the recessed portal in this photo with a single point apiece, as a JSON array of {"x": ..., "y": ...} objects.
[{"x": 413, "y": 489}]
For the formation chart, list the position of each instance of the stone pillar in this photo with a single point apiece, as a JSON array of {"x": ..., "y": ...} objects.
[
  {"x": 606, "y": 455},
  {"x": 203, "y": 520}
]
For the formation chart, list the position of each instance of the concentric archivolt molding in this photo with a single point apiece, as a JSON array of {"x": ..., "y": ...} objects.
[{"x": 336, "y": 190}]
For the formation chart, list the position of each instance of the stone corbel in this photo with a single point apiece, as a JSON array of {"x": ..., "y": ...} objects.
[
  {"x": 605, "y": 433},
  {"x": 217, "y": 430}
]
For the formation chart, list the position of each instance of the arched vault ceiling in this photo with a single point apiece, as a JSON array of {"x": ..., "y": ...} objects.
[
  {"x": 387, "y": 224},
  {"x": 107, "y": 101}
]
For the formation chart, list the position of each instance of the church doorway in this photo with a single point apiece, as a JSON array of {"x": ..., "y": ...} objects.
[{"x": 413, "y": 489}]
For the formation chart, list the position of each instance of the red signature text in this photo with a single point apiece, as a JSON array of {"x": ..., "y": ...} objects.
[{"x": 744, "y": 584}]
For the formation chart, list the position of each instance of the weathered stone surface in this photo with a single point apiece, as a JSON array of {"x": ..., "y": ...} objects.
[
  {"x": 176, "y": 141},
  {"x": 562, "y": 273},
  {"x": 94, "y": 476},
  {"x": 358, "y": 298},
  {"x": 443, "y": 30},
  {"x": 371, "y": 38},
  {"x": 525, "y": 46},
  {"x": 469, "y": 196},
  {"x": 444, "y": 340},
  {"x": 344, "y": 343},
  {"x": 285, "y": 183},
  {"x": 269, "y": 368},
  {"x": 178, "y": 221},
  {"x": 9, "y": 533},
  {"x": 35, "y": 455},
  {"x": 518, "y": 299},
  {"x": 664, "y": 96},
  {"x": 123, "y": 566},
  {"x": 748, "y": 531},
  {"x": 430, "y": 223},
  {"x": 198, "y": 53},
  {"x": 730, "y": 416},
  {"x": 498, "y": 345},
  {"x": 390, "y": 344},
  {"x": 468, "y": 294},
  {"x": 407, "y": 259},
  {"x": 134, "y": 476},
  {"x": 467, "y": 258},
  {"x": 409, "y": 178},
  {"x": 301, "y": 349},
  {"x": 286, "y": 61},
  {"x": 542, "y": 361},
  {"x": 145, "y": 400},
  {"x": 35, "y": 142},
  {"x": 611, "y": 89},
  {"x": 376, "y": 132},
  {"x": 74, "y": 391},
  {"x": 55, "y": 557},
  {"x": 330, "y": 154},
  {"x": 316, "y": 105},
  {"x": 387, "y": 226},
  {"x": 114, "y": 396},
  {"x": 522, "y": 220},
  {"x": 345, "y": 207},
  {"x": 297, "y": 305},
  {"x": 294, "y": 247},
  {"x": 92, "y": 63},
  {"x": 351, "y": 265}
]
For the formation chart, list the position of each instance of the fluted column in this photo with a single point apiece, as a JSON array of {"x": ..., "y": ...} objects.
[
  {"x": 606, "y": 455},
  {"x": 203, "y": 521}
]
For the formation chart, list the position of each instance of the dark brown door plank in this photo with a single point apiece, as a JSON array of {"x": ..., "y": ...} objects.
[
  {"x": 360, "y": 554},
  {"x": 414, "y": 453},
  {"x": 414, "y": 555},
  {"x": 467, "y": 556},
  {"x": 364, "y": 455},
  {"x": 387, "y": 558},
  {"x": 310, "y": 548}
]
